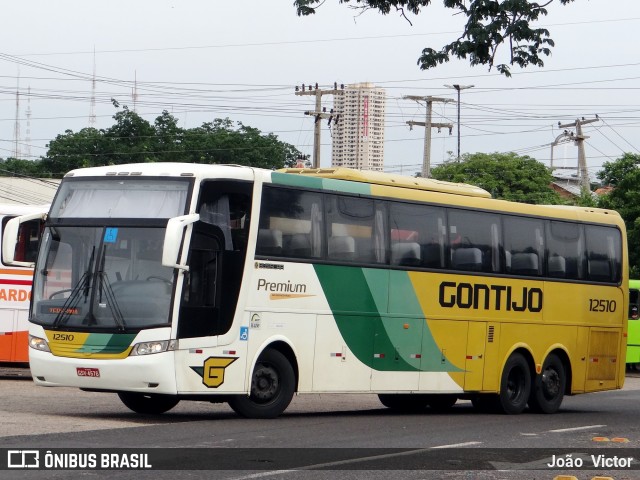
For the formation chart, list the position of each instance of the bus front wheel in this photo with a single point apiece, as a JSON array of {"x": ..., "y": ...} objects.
[
  {"x": 548, "y": 387},
  {"x": 272, "y": 388},
  {"x": 148, "y": 404},
  {"x": 515, "y": 385}
]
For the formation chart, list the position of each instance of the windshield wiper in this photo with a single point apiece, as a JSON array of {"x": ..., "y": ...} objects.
[
  {"x": 108, "y": 293},
  {"x": 83, "y": 285}
]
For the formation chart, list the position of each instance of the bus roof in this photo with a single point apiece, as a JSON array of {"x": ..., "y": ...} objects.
[
  {"x": 392, "y": 180},
  {"x": 13, "y": 209}
]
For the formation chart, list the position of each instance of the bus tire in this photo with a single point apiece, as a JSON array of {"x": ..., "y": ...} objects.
[
  {"x": 148, "y": 404},
  {"x": 515, "y": 385},
  {"x": 441, "y": 402},
  {"x": 548, "y": 387},
  {"x": 272, "y": 387},
  {"x": 404, "y": 402}
]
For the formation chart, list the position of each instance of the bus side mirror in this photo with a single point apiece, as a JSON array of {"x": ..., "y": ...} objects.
[
  {"x": 173, "y": 240},
  {"x": 10, "y": 238}
]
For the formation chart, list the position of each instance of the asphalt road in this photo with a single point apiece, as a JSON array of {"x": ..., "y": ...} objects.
[{"x": 325, "y": 436}]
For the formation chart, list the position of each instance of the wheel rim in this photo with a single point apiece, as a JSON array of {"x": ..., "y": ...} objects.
[
  {"x": 515, "y": 385},
  {"x": 550, "y": 383},
  {"x": 266, "y": 383}
]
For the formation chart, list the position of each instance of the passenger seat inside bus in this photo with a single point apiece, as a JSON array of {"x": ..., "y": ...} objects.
[
  {"x": 524, "y": 264},
  {"x": 407, "y": 254},
  {"x": 298, "y": 245},
  {"x": 467, "y": 259},
  {"x": 557, "y": 266},
  {"x": 269, "y": 242},
  {"x": 599, "y": 270},
  {"x": 342, "y": 248}
]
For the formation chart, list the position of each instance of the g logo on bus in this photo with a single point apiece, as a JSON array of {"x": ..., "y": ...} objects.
[{"x": 212, "y": 371}]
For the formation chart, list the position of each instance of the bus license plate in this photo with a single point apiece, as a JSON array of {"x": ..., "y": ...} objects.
[{"x": 88, "y": 372}]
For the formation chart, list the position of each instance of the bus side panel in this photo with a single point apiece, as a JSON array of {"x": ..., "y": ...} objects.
[
  {"x": 492, "y": 358},
  {"x": 475, "y": 358},
  {"x": 397, "y": 348},
  {"x": 633, "y": 338},
  {"x": 602, "y": 359},
  {"x": 7, "y": 334},
  {"x": 15, "y": 293},
  {"x": 336, "y": 368},
  {"x": 210, "y": 369}
]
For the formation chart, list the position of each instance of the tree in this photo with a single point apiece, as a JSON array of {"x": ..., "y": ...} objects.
[
  {"x": 132, "y": 139},
  {"x": 70, "y": 150},
  {"x": 506, "y": 176},
  {"x": 220, "y": 142},
  {"x": 14, "y": 167},
  {"x": 490, "y": 24},
  {"x": 623, "y": 175}
]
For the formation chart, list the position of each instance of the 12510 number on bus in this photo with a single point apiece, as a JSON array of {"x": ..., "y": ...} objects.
[{"x": 600, "y": 305}]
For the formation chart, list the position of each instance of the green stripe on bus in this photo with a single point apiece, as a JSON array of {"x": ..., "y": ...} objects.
[
  {"x": 318, "y": 183},
  {"x": 382, "y": 341},
  {"x": 107, "y": 343},
  {"x": 404, "y": 300}
]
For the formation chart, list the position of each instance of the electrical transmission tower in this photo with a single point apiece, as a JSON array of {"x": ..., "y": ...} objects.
[
  {"x": 16, "y": 127},
  {"x": 92, "y": 107},
  {"x": 428, "y": 125},
  {"x": 319, "y": 113},
  {"x": 27, "y": 139}
]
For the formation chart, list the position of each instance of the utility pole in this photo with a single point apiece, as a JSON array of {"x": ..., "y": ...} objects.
[
  {"x": 319, "y": 113},
  {"x": 458, "y": 88},
  {"x": 582, "y": 159},
  {"x": 428, "y": 125}
]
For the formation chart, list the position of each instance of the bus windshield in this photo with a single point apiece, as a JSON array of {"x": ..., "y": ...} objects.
[
  {"x": 102, "y": 278},
  {"x": 100, "y": 262},
  {"x": 120, "y": 198}
]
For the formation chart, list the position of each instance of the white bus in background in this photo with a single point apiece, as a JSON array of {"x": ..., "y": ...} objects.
[{"x": 15, "y": 282}]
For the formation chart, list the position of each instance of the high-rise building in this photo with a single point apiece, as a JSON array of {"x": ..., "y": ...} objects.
[{"x": 358, "y": 136}]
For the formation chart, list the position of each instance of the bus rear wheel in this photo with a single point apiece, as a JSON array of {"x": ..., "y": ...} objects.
[
  {"x": 272, "y": 388},
  {"x": 548, "y": 387},
  {"x": 404, "y": 402},
  {"x": 148, "y": 404},
  {"x": 515, "y": 385}
]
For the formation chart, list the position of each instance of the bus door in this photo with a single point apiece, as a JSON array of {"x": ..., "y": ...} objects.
[{"x": 211, "y": 287}]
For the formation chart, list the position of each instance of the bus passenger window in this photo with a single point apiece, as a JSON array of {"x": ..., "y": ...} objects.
[
  {"x": 634, "y": 304},
  {"x": 603, "y": 253},
  {"x": 290, "y": 224},
  {"x": 477, "y": 236},
  {"x": 565, "y": 244},
  {"x": 417, "y": 235},
  {"x": 356, "y": 229},
  {"x": 523, "y": 245}
]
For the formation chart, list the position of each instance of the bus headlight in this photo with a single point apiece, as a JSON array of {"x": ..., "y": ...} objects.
[
  {"x": 38, "y": 343},
  {"x": 148, "y": 348}
]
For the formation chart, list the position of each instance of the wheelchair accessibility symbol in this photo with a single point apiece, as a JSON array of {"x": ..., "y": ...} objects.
[{"x": 244, "y": 333}]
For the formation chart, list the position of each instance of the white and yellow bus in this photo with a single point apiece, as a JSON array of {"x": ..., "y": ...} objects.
[
  {"x": 164, "y": 282},
  {"x": 15, "y": 283}
]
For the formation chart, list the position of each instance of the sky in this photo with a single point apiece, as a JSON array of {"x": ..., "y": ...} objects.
[{"x": 241, "y": 59}]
